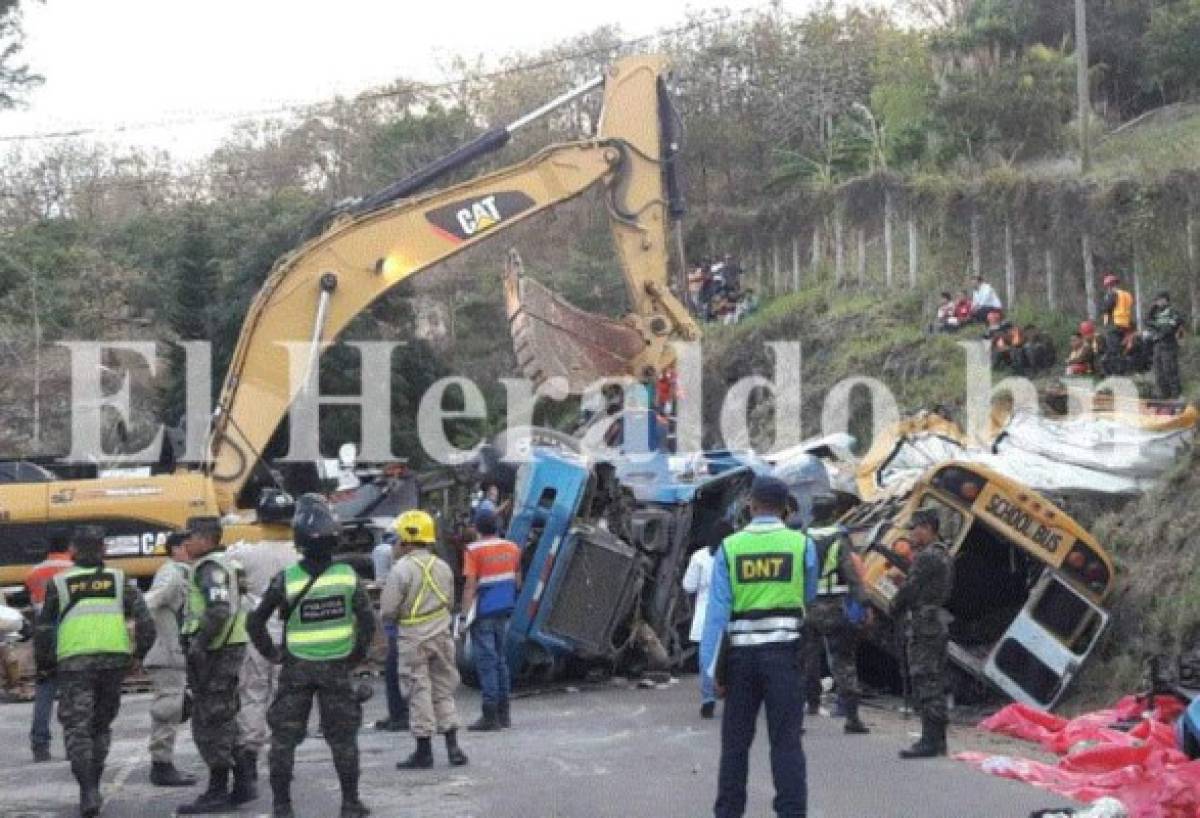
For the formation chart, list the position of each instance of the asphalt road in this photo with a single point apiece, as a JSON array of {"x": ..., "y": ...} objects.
[{"x": 607, "y": 751}]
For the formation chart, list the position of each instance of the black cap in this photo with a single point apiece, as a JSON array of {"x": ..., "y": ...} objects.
[
  {"x": 924, "y": 516},
  {"x": 315, "y": 527},
  {"x": 90, "y": 537},
  {"x": 203, "y": 526},
  {"x": 175, "y": 539},
  {"x": 769, "y": 491},
  {"x": 1163, "y": 295}
]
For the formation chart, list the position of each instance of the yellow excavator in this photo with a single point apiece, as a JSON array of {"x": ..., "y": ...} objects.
[{"x": 365, "y": 250}]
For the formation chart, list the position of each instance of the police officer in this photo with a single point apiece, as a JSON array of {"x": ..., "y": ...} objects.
[
  {"x": 922, "y": 595},
  {"x": 260, "y": 561},
  {"x": 215, "y": 630},
  {"x": 830, "y": 629},
  {"x": 419, "y": 597},
  {"x": 1166, "y": 325},
  {"x": 166, "y": 664},
  {"x": 328, "y": 626},
  {"x": 81, "y": 637},
  {"x": 760, "y": 587}
]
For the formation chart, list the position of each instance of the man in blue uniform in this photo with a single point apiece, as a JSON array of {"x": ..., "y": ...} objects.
[{"x": 763, "y": 577}]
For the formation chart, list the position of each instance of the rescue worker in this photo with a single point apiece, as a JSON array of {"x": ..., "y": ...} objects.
[
  {"x": 1082, "y": 358},
  {"x": 922, "y": 596},
  {"x": 166, "y": 663},
  {"x": 1008, "y": 343},
  {"x": 831, "y": 631},
  {"x": 492, "y": 567},
  {"x": 1166, "y": 326},
  {"x": 419, "y": 597},
  {"x": 215, "y": 630},
  {"x": 81, "y": 638},
  {"x": 328, "y": 627},
  {"x": 1117, "y": 310},
  {"x": 763, "y": 577},
  {"x": 258, "y": 680},
  {"x": 57, "y": 560}
]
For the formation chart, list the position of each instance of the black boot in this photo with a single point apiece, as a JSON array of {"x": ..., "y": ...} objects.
[
  {"x": 853, "y": 724},
  {"x": 244, "y": 789},
  {"x": 281, "y": 797},
  {"x": 926, "y": 746},
  {"x": 41, "y": 752},
  {"x": 164, "y": 774},
  {"x": 353, "y": 808},
  {"x": 504, "y": 714},
  {"x": 940, "y": 737},
  {"x": 487, "y": 722},
  {"x": 89, "y": 790},
  {"x": 457, "y": 757},
  {"x": 213, "y": 799},
  {"x": 421, "y": 758}
]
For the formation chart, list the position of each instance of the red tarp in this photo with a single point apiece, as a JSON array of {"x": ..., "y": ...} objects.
[{"x": 1141, "y": 767}]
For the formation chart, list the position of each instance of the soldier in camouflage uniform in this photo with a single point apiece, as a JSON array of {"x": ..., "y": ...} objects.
[
  {"x": 215, "y": 630},
  {"x": 1166, "y": 325},
  {"x": 81, "y": 637},
  {"x": 829, "y": 630},
  {"x": 924, "y": 592},
  {"x": 328, "y": 626}
]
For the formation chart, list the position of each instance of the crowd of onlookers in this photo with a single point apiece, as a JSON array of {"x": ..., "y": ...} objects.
[
  {"x": 715, "y": 292},
  {"x": 1121, "y": 349}
]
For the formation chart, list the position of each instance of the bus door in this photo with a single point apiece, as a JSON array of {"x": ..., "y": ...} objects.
[{"x": 1044, "y": 647}]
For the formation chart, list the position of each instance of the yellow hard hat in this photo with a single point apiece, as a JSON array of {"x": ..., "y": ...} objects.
[{"x": 415, "y": 526}]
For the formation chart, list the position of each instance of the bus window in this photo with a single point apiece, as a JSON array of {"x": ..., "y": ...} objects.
[{"x": 949, "y": 518}]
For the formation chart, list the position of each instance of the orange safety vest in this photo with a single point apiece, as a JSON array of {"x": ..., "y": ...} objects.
[{"x": 1122, "y": 313}]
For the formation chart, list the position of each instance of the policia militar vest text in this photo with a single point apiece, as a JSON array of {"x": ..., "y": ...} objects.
[
  {"x": 319, "y": 626},
  {"x": 92, "y": 618},
  {"x": 234, "y": 632}
]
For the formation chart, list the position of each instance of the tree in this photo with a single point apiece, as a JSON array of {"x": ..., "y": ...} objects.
[
  {"x": 1172, "y": 49},
  {"x": 15, "y": 76}
]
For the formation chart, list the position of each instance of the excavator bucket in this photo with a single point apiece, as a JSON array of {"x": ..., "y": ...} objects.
[{"x": 553, "y": 338}]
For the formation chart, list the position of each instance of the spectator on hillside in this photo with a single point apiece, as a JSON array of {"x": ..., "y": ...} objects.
[
  {"x": 962, "y": 308},
  {"x": 1081, "y": 360},
  {"x": 731, "y": 271},
  {"x": 984, "y": 301},
  {"x": 695, "y": 285},
  {"x": 945, "y": 320},
  {"x": 1007, "y": 342}
]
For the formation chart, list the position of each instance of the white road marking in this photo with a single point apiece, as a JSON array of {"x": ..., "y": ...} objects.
[{"x": 119, "y": 780}]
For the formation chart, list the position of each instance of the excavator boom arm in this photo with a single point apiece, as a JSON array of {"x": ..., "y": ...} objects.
[{"x": 314, "y": 292}]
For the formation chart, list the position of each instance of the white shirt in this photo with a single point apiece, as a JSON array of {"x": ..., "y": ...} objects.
[
  {"x": 696, "y": 580},
  {"x": 985, "y": 296}
]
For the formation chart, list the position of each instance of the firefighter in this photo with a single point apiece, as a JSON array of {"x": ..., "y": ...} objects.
[
  {"x": 82, "y": 640},
  {"x": 1166, "y": 326},
  {"x": 752, "y": 646},
  {"x": 1117, "y": 310},
  {"x": 922, "y": 595},
  {"x": 419, "y": 597},
  {"x": 215, "y": 630},
  {"x": 833, "y": 631},
  {"x": 328, "y": 626}
]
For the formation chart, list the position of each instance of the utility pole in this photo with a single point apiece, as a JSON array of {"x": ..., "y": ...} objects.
[{"x": 1082, "y": 86}]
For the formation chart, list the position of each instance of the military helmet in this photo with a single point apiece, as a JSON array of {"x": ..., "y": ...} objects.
[
  {"x": 314, "y": 526},
  {"x": 415, "y": 526}
]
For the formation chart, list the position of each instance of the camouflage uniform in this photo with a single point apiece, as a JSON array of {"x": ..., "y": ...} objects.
[
  {"x": 213, "y": 674},
  {"x": 259, "y": 679},
  {"x": 1165, "y": 323},
  {"x": 89, "y": 686},
  {"x": 301, "y": 681},
  {"x": 923, "y": 593},
  {"x": 829, "y": 630}
]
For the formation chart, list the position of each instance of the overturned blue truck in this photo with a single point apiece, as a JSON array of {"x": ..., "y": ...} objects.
[{"x": 604, "y": 547}]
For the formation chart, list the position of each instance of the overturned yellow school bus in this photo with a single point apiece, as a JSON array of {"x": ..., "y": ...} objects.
[{"x": 1030, "y": 583}]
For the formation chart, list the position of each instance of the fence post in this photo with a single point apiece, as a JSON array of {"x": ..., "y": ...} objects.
[
  {"x": 1089, "y": 275},
  {"x": 839, "y": 249},
  {"x": 1193, "y": 290},
  {"x": 888, "y": 250},
  {"x": 976, "y": 246},
  {"x": 914, "y": 250},
  {"x": 777, "y": 268},
  {"x": 1010, "y": 266},
  {"x": 795, "y": 264},
  {"x": 1137, "y": 284},
  {"x": 816, "y": 251},
  {"x": 1051, "y": 290},
  {"x": 862, "y": 256}
]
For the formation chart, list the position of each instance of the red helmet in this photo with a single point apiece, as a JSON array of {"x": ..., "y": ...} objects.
[
  {"x": 994, "y": 317},
  {"x": 1111, "y": 280},
  {"x": 1087, "y": 329}
]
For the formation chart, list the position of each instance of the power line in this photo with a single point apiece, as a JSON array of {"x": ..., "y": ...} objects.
[{"x": 369, "y": 97}]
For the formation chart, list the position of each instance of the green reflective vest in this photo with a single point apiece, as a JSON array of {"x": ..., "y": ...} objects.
[
  {"x": 320, "y": 627},
  {"x": 766, "y": 574},
  {"x": 832, "y": 582},
  {"x": 91, "y": 602},
  {"x": 234, "y": 632}
]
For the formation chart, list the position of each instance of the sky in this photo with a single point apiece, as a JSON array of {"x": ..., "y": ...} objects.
[{"x": 157, "y": 62}]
